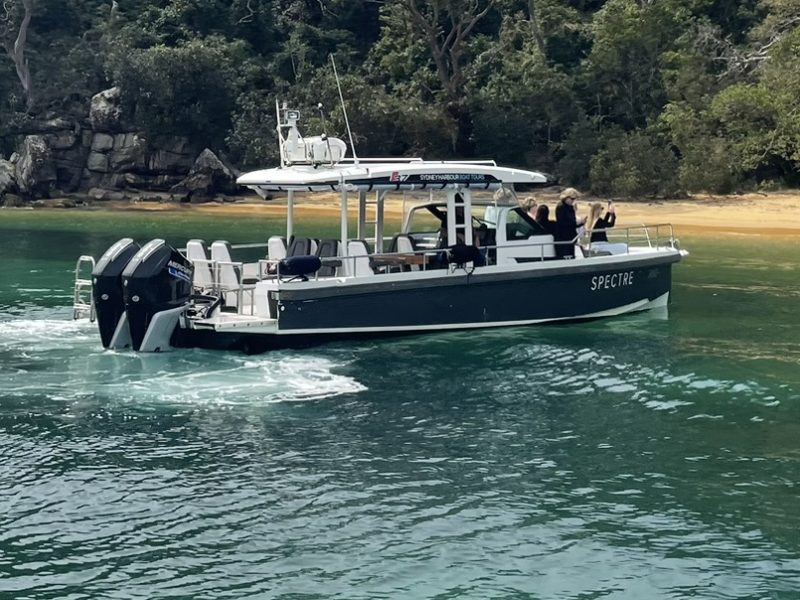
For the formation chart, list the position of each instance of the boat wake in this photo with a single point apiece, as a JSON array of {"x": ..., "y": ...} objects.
[{"x": 54, "y": 358}]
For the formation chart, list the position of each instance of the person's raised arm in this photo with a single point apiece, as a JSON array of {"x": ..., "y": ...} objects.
[{"x": 611, "y": 215}]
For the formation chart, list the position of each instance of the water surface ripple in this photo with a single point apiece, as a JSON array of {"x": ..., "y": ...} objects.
[
  {"x": 498, "y": 465},
  {"x": 644, "y": 457}
]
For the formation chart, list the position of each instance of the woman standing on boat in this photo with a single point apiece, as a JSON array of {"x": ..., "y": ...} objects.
[
  {"x": 567, "y": 223},
  {"x": 543, "y": 220},
  {"x": 598, "y": 223},
  {"x": 530, "y": 206},
  {"x": 599, "y": 239}
]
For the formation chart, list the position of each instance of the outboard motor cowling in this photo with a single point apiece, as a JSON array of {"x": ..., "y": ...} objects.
[
  {"x": 107, "y": 292},
  {"x": 157, "y": 285}
]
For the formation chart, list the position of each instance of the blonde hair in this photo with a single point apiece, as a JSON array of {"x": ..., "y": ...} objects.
[
  {"x": 529, "y": 203},
  {"x": 569, "y": 193},
  {"x": 504, "y": 195},
  {"x": 594, "y": 213}
]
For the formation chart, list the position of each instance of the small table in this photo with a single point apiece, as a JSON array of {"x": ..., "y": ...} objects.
[{"x": 393, "y": 260}]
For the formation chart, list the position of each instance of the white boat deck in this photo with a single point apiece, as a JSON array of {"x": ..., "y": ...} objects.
[{"x": 224, "y": 321}]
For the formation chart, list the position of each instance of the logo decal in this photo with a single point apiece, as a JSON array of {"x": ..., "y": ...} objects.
[
  {"x": 395, "y": 177},
  {"x": 610, "y": 281}
]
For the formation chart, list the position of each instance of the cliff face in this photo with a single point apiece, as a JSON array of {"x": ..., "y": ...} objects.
[{"x": 104, "y": 158}]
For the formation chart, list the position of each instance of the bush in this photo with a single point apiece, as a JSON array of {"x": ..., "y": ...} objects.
[
  {"x": 584, "y": 140},
  {"x": 632, "y": 164},
  {"x": 186, "y": 90}
]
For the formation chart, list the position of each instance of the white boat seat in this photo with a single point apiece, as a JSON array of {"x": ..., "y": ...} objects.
[
  {"x": 359, "y": 266},
  {"x": 608, "y": 247},
  {"x": 403, "y": 243},
  {"x": 203, "y": 275},
  {"x": 276, "y": 247},
  {"x": 548, "y": 241},
  {"x": 228, "y": 276}
]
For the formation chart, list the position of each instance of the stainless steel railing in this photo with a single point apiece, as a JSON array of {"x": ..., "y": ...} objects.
[{"x": 82, "y": 299}]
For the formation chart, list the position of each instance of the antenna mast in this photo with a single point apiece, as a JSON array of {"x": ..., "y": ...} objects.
[
  {"x": 278, "y": 128},
  {"x": 344, "y": 111}
]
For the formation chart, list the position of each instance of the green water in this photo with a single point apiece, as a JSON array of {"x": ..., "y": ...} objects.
[{"x": 649, "y": 456}]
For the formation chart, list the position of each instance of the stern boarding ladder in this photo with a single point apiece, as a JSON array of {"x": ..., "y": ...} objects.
[{"x": 82, "y": 299}]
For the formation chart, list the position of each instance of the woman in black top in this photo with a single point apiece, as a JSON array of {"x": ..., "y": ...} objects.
[
  {"x": 600, "y": 223},
  {"x": 599, "y": 240},
  {"x": 543, "y": 220},
  {"x": 567, "y": 223}
]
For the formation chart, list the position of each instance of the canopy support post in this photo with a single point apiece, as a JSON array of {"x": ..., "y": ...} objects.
[
  {"x": 343, "y": 221},
  {"x": 361, "y": 232},
  {"x": 379, "y": 196},
  {"x": 290, "y": 216}
]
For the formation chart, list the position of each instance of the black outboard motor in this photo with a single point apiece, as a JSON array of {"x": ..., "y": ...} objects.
[
  {"x": 157, "y": 285},
  {"x": 107, "y": 290}
]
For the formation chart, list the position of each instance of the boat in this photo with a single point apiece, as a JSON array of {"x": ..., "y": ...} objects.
[{"x": 467, "y": 257}]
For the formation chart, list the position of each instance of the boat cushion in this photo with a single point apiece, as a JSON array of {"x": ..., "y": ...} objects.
[{"x": 299, "y": 266}]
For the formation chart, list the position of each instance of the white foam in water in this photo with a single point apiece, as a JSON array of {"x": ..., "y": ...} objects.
[
  {"x": 63, "y": 359},
  {"x": 227, "y": 379},
  {"x": 44, "y": 334}
]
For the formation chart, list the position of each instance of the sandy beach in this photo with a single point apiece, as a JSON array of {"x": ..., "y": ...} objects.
[{"x": 774, "y": 213}]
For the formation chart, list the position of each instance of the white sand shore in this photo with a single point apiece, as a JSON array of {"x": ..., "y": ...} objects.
[{"x": 775, "y": 213}]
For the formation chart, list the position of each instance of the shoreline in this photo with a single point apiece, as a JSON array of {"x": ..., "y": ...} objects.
[{"x": 773, "y": 213}]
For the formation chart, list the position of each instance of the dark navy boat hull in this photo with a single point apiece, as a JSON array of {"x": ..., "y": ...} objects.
[{"x": 574, "y": 292}]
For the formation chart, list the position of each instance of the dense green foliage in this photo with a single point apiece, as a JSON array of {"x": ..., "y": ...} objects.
[{"x": 623, "y": 97}]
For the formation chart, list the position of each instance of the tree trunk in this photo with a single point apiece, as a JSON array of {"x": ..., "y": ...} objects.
[
  {"x": 535, "y": 29},
  {"x": 17, "y": 54},
  {"x": 463, "y": 144},
  {"x": 447, "y": 45}
]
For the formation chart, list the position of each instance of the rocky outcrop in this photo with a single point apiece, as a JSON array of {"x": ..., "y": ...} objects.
[
  {"x": 12, "y": 200},
  {"x": 132, "y": 161},
  {"x": 35, "y": 171},
  {"x": 105, "y": 112},
  {"x": 99, "y": 152},
  {"x": 128, "y": 152},
  {"x": 207, "y": 178},
  {"x": 8, "y": 181}
]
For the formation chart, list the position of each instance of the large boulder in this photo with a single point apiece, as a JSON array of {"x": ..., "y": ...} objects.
[
  {"x": 102, "y": 142},
  {"x": 63, "y": 139},
  {"x": 207, "y": 178},
  {"x": 105, "y": 111},
  {"x": 97, "y": 162},
  {"x": 69, "y": 167},
  {"x": 128, "y": 152},
  {"x": 104, "y": 195},
  {"x": 170, "y": 155},
  {"x": 8, "y": 181},
  {"x": 12, "y": 201},
  {"x": 35, "y": 172}
]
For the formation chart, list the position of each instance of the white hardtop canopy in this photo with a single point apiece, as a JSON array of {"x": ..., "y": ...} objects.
[
  {"x": 383, "y": 174},
  {"x": 318, "y": 164}
]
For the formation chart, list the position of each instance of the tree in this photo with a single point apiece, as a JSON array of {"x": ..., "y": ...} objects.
[
  {"x": 522, "y": 105},
  {"x": 446, "y": 26},
  {"x": 187, "y": 90},
  {"x": 624, "y": 67},
  {"x": 14, "y": 23},
  {"x": 536, "y": 29},
  {"x": 634, "y": 164}
]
